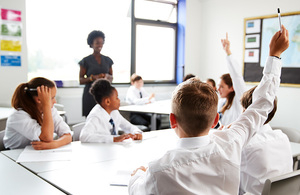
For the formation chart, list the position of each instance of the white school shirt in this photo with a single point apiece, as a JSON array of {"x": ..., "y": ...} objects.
[
  {"x": 267, "y": 155},
  {"x": 21, "y": 129},
  {"x": 97, "y": 127},
  {"x": 133, "y": 96},
  {"x": 239, "y": 87},
  {"x": 210, "y": 164}
]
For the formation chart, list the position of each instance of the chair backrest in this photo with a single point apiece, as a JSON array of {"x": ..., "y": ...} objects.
[
  {"x": 76, "y": 130},
  {"x": 1, "y": 140},
  {"x": 292, "y": 133},
  {"x": 285, "y": 184}
]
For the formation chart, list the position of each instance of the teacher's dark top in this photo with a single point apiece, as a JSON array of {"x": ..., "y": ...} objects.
[{"x": 93, "y": 68}]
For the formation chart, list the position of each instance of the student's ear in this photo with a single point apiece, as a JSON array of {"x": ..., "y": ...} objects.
[
  {"x": 107, "y": 101},
  {"x": 216, "y": 120},
  {"x": 36, "y": 99},
  {"x": 231, "y": 89},
  {"x": 173, "y": 121}
]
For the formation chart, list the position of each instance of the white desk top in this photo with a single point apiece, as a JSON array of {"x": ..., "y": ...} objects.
[
  {"x": 158, "y": 107},
  {"x": 94, "y": 165},
  {"x": 14, "y": 179}
]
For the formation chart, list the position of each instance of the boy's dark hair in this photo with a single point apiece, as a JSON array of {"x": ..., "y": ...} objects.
[
  {"x": 188, "y": 76},
  {"x": 100, "y": 89},
  {"x": 135, "y": 77},
  {"x": 246, "y": 101},
  {"x": 93, "y": 35},
  {"x": 194, "y": 105}
]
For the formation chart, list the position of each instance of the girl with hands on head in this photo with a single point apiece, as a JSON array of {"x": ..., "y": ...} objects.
[{"x": 35, "y": 120}]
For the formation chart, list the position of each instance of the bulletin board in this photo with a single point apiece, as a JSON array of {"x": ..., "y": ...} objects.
[{"x": 258, "y": 34}]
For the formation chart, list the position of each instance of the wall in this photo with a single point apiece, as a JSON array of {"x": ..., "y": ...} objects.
[
  {"x": 71, "y": 98},
  {"x": 10, "y": 77},
  {"x": 207, "y": 23}
]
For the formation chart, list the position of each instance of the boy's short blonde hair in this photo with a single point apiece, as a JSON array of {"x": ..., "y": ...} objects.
[{"x": 194, "y": 105}]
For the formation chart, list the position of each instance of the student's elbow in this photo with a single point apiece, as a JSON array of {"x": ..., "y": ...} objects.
[
  {"x": 46, "y": 138},
  {"x": 68, "y": 138}
]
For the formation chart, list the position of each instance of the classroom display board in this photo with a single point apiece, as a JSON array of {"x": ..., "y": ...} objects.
[
  {"x": 10, "y": 37},
  {"x": 258, "y": 34}
]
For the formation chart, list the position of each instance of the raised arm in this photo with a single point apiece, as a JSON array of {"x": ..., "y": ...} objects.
[
  {"x": 239, "y": 85},
  {"x": 263, "y": 96},
  {"x": 47, "y": 127}
]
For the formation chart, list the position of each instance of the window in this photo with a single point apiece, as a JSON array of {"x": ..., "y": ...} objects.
[
  {"x": 154, "y": 40},
  {"x": 57, "y": 31}
]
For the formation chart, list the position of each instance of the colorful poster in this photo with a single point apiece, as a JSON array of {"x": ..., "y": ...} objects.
[
  {"x": 12, "y": 15},
  {"x": 253, "y": 26},
  {"x": 11, "y": 45},
  {"x": 251, "y": 55},
  {"x": 10, "y": 60},
  {"x": 11, "y": 29},
  {"x": 252, "y": 41}
]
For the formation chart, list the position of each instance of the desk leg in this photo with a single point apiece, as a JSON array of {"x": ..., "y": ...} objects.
[{"x": 153, "y": 121}]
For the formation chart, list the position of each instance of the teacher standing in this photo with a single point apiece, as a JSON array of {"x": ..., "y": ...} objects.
[{"x": 93, "y": 67}]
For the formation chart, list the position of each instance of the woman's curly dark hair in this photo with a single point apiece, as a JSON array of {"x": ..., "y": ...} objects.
[{"x": 93, "y": 35}]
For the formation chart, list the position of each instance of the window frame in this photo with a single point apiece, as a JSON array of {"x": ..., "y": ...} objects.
[{"x": 138, "y": 21}]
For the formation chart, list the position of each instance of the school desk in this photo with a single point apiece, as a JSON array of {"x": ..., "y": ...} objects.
[
  {"x": 157, "y": 107},
  {"x": 15, "y": 179},
  {"x": 94, "y": 166}
]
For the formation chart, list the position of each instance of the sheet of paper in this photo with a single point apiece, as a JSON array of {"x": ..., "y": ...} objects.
[
  {"x": 121, "y": 178},
  {"x": 62, "y": 153}
]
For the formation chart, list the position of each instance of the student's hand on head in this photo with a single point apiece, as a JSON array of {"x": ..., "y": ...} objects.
[
  {"x": 279, "y": 42},
  {"x": 226, "y": 45},
  {"x": 122, "y": 137},
  {"x": 44, "y": 95},
  {"x": 140, "y": 168},
  {"x": 40, "y": 145}
]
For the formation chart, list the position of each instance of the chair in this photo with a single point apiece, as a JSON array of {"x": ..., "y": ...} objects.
[
  {"x": 1, "y": 140},
  {"x": 285, "y": 184},
  {"x": 76, "y": 130},
  {"x": 61, "y": 111}
]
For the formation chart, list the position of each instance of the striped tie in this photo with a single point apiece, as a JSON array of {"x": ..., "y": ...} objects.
[{"x": 112, "y": 131}]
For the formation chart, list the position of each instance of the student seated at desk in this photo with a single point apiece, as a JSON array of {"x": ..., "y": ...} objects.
[
  {"x": 104, "y": 120},
  {"x": 34, "y": 119},
  {"x": 202, "y": 163},
  {"x": 137, "y": 95},
  {"x": 268, "y": 154}
]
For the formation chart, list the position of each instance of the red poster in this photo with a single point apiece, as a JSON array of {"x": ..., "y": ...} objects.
[{"x": 12, "y": 15}]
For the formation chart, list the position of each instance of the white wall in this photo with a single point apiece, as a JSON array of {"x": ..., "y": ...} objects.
[
  {"x": 207, "y": 23},
  {"x": 11, "y": 77}
]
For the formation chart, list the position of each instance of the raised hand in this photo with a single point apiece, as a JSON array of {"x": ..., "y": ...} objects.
[
  {"x": 226, "y": 45},
  {"x": 279, "y": 42}
]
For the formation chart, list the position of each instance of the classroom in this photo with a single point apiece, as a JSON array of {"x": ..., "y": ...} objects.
[{"x": 205, "y": 23}]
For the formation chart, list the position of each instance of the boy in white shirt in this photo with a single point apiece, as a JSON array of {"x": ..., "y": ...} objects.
[
  {"x": 209, "y": 164},
  {"x": 268, "y": 154},
  {"x": 104, "y": 120},
  {"x": 137, "y": 95}
]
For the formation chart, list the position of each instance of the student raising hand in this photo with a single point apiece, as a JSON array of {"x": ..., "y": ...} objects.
[
  {"x": 279, "y": 42},
  {"x": 226, "y": 45}
]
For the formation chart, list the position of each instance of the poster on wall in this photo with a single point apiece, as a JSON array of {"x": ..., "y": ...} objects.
[
  {"x": 257, "y": 42},
  {"x": 10, "y": 37}
]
